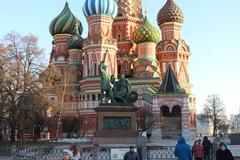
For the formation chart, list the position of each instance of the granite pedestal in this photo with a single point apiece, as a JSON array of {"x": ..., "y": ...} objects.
[{"x": 116, "y": 124}]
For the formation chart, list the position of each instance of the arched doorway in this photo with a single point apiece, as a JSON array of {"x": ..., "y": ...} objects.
[
  {"x": 69, "y": 126},
  {"x": 170, "y": 122}
]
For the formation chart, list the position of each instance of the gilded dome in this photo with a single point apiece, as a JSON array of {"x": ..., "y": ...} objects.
[
  {"x": 64, "y": 23},
  {"x": 146, "y": 33},
  {"x": 170, "y": 12}
]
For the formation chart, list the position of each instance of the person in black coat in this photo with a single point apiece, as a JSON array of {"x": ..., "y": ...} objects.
[
  {"x": 223, "y": 153},
  {"x": 131, "y": 155},
  {"x": 207, "y": 145}
]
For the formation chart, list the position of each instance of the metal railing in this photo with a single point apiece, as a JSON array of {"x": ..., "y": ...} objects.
[
  {"x": 161, "y": 153},
  {"x": 27, "y": 154},
  {"x": 55, "y": 153}
]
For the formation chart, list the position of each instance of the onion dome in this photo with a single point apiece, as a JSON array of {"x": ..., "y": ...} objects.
[
  {"x": 64, "y": 23},
  {"x": 170, "y": 13},
  {"x": 76, "y": 41},
  {"x": 146, "y": 33},
  {"x": 99, "y": 7}
]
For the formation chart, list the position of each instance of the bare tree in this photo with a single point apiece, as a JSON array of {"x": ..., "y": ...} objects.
[
  {"x": 25, "y": 85},
  {"x": 214, "y": 112},
  {"x": 56, "y": 80},
  {"x": 21, "y": 65}
]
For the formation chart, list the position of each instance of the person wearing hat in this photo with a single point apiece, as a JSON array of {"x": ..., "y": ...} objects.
[
  {"x": 131, "y": 155},
  {"x": 67, "y": 154}
]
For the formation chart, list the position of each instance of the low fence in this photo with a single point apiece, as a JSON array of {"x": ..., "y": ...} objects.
[
  {"x": 55, "y": 153},
  {"x": 161, "y": 153},
  {"x": 46, "y": 153}
]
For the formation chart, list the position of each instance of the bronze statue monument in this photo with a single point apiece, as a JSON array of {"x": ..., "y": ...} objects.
[{"x": 115, "y": 92}]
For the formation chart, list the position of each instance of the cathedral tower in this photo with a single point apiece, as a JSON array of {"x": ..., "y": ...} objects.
[
  {"x": 129, "y": 17},
  {"x": 146, "y": 65},
  {"x": 62, "y": 28},
  {"x": 66, "y": 56},
  {"x": 100, "y": 44},
  {"x": 173, "y": 49}
]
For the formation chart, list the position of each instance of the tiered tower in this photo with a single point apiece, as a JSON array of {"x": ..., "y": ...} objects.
[
  {"x": 129, "y": 17},
  {"x": 75, "y": 62},
  {"x": 172, "y": 49},
  {"x": 146, "y": 65},
  {"x": 100, "y": 44},
  {"x": 66, "y": 55},
  {"x": 61, "y": 28},
  {"x": 173, "y": 105}
]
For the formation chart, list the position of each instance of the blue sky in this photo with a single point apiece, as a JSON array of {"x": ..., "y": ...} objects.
[{"x": 211, "y": 28}]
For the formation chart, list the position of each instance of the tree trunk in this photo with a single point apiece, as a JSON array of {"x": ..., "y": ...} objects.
[
  {"x": 214, "y": 130},
  {"x": 12, "y": 136}
]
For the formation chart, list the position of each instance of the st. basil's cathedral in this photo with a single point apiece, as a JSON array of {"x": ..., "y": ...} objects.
[{"x": 156, "y": 64}]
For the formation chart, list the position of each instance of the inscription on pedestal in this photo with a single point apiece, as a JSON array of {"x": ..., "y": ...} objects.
[{"x": 116, "y": 122}]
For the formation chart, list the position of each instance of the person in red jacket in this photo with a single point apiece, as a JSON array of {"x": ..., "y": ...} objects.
[{"x": 197, "y": 151}]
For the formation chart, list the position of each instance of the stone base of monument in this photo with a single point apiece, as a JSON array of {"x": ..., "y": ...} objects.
[{"x": 116, "y": 124}]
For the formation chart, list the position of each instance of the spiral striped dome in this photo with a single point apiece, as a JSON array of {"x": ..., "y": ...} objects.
[
  {"x": 170, "y": 12},
  {"x": 64, "y": 23},
  {"x": 99, "y": 7},
  {"x": 146, "y": 33}
]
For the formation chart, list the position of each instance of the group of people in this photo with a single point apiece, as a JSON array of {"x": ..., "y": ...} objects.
[
  {"x": 72, "y": 154},
  {"x": 201, "y": 150}
]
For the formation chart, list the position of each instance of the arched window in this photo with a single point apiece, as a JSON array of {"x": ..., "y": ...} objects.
[
  {"x": 165, "y": 111},
  {"x": 96, "y": 29},
  {"x": 125, "y": 65},
  {"x": 80, "y": 97},
  {"x": 176, "y": 111},
  {"x": 119, "y": 36},
  {"x": 95, "y": 69},
  {"x": 93, "y": 97}
]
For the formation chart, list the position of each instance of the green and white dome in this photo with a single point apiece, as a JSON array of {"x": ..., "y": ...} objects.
[
  {"x": 146, "y": 33},
  {"x": 65, "y": 22}
]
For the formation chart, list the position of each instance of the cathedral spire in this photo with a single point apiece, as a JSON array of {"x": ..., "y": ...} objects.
[
  {"x": 170, "y": 83},
  {"x": 145, "y": 10}
]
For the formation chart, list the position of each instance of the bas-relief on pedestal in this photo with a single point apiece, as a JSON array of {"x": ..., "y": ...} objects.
[{"x": 116, "y": 124}]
